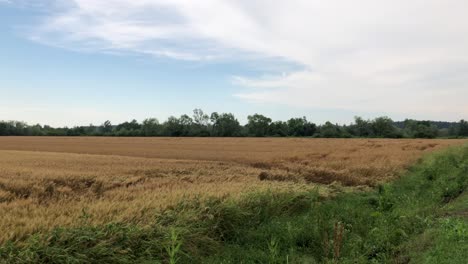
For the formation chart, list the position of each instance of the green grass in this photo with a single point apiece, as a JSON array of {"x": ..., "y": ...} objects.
[
  {"x": 447, "y": 240},
  {"x": 458, "y": 207},
  {"x": 419, "y": 218}
]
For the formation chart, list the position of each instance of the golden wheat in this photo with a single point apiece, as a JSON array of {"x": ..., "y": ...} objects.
[{"x": 47, "y": 182}]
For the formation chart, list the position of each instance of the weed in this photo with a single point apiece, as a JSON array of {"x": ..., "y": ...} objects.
[
  {"x": 273, "y": 251},
  {"x": 173, "y": 248}
]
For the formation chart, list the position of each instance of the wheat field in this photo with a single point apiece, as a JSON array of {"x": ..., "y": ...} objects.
[{"x": 47, "y": 182}]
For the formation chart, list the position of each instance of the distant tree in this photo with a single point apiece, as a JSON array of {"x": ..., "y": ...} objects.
[
  {"x": 258, "y": 125},
  {"x": 201, "y": 123},
  {"x": 107, "y": 127},
  {"x": 186, "y": 122},
  {"x": 36, "y": 130},
  {"x": 20, "y": 128},
  {"x": 50, "y": 131},
  {"x": 173, "y": 127},
  {"x": 300, "y": 127},
  {"x": 11, "y": 128},
  {"x": 4, "y": 129},
  {"x": 420, "y": 129},
  {"x": 463, "y": 128},
  {"x": 150, "y": 127},
  {"x": 132, "y": 125},
  {"x": 92, "y": 130},
  {"x": 278, "y": 129},
  {"x": 76, "y": 131},
  {"x": 122, "y": 132},
  {"x": 200, "y": 118},
  {"x": 225, "y": 125},
  {"x": 384, "y": 127},
  {"x": 329, "y": 130},
  {"x": 362, "y": 128}
]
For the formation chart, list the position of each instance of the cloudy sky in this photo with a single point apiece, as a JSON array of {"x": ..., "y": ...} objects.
[{"x": 75, "y": 62}]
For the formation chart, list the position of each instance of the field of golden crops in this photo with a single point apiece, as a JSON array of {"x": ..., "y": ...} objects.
[{"x": 53, "y": 181}]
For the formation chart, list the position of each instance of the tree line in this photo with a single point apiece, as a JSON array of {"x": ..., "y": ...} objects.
[{"x": 200, "y": 124}]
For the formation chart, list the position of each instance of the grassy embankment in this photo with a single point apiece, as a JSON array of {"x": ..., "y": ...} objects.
[{"x": 420, "y": 218}]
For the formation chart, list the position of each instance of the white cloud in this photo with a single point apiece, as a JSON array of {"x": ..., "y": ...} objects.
[{"x": 369, "y": 55}]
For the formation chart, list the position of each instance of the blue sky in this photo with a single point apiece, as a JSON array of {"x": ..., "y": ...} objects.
[{"x": 75, "y": 62}]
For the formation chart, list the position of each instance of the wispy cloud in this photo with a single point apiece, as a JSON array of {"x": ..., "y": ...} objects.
[{"x": 370, "y": 55}]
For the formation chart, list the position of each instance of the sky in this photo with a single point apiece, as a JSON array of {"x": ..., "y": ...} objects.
[{"x": 77, "y": 62}]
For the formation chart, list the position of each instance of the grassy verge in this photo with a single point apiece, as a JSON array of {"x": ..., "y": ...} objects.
[
  {"x": 446, "y": 241},
  {"x": 418, "y": 218}
]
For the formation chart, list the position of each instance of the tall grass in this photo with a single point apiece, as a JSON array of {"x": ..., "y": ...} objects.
[{"x": 271, "y": 227}]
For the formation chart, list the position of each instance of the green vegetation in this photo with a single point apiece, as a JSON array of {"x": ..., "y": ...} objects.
[
  {"x": 420, "y": 218},
  {"x": 227, "y": 125},
  {"x": 447, "y": 240}
]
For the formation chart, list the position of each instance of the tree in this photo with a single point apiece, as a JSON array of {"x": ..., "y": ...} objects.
[
  {"x": 133, "y": 125},
  {"x": 278, "y": 129},
  {"x": 5, "y": 129},
  {"x": 258, "y": 125},
  {"x": 420, "y": 129},
  {"x": 186, "y": 122},
  {"x": 329, "y": 130},
  {"x": 75, "y": 131},
  {"x": 384, "y": 127},
  {"x": 463, "y": 128},
  {"x": 36, "y": 130},
  {"x": 107, "y": 127},
  {"x": 132, "y": 128},
  {"x": 300, "y": 127},
  {"x": 201, "y": 123},
  {"x": 225, "y": 125},
  {"x": 20, "y": 128},
  {"x": 178, "y": 127},
  {"x": 200, "y": 118},
  {"x": 173, "y": 127},
  {"x": 150, "y": 127},
  {"x": 362, "y": 128}
]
